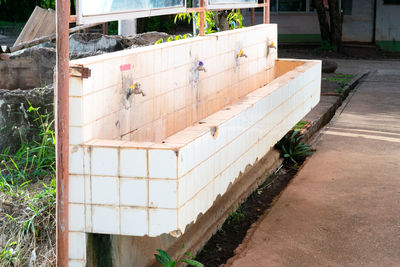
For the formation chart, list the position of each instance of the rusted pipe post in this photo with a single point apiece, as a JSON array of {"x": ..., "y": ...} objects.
[
  {"x": 266, "y": 11},
  {"x": 202, "y": 17},
  {"x": 62, "y": 130},
  {"x": 253, "y": 17}
]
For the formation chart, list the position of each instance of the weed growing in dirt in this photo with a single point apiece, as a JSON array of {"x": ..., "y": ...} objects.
[
  {"x": 292, "y": 149},
  {"x": 236, "y": 216},
  {"x": 27, "y": 198},
  {"x": 164, "y": 258}
]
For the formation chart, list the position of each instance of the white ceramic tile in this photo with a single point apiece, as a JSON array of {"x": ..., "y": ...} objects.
[
  {"x": 76, "y": 189},
  {"x": 75, "y": 111},
  {"x": 76, "y": 215},
  {"x": 86, "y": 159},
  {"x": 133, "y": 222},
  {"x": 162, "y": 164},
  {"x": 105, "y": 219},
  {"x": 75, "y": 159},
  {"x": 162, "y": 221},
  {"x": 104, "y": 161},
  {"x": 75, "y": 86},
  {"x": 77, "y": 245},
  {"x": 162, "y": 193},
  {"x": 75, "y": 135},
  {"x": 133, "y": 162},
  {"x": 105, "y": 190},
  {"x": 133, "y": 192},
  {"x": 76, "y": 263},
  {"x": 186, "y": 215}
]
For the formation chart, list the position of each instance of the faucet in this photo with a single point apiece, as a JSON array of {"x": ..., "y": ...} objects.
[
  {"x": 135, "y": 89},
  {"x": 201, "y": 67},
  {"x": 241, "y": 54},
  {"x": 271, "y": 45}
]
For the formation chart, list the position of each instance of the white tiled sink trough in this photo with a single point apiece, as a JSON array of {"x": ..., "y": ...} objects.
[{"x": 148, "y": 165}]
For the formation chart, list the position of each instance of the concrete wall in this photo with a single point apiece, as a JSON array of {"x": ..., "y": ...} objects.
[
  {"x": 358, "y": 26},
  {"x": 388, "y": 26}
]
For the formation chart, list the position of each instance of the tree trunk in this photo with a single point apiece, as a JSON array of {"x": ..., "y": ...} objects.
[
  {"x": 221, "y": 21},
  {"x": 323, "y": 21},
  {"x": 335, "y": 15}
]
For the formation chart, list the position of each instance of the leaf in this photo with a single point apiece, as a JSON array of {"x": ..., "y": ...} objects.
[
  {"x": 190, "y": 255},
  {"x": 193, "y": 263},
  {"x": 164, "y": 255},
  {"x": 170, "y": 264},
  {"x": 159, "y": 259}
]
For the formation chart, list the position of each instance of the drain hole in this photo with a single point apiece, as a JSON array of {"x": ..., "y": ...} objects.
[
  {"x": 202, "y": 122},
  {"x": 214, "y": 131}
]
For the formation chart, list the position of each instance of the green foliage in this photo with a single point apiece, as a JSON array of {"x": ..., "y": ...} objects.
[
  {"x": 31, "y": 161},
  {"x": 292, "y": 149},
  {"x": 326, "y": 46},
  {"x": 27, "y": 179},
  {"x": 236, "y": 216},
  {"x": 235, "y": 19},
  {"x": 341, "y": 79},
  {"x": 157, "y": 23},
  {"x": 113, "y": 28},
  {"x": 299, "y": 125},
  {"x": 174, "y": 38},
  {"x": 163, "y": 258}
]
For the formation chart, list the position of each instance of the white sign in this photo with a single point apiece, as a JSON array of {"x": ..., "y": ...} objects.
[
  {"x": 216, "y": 4},
  {"x": 98, "y": 11}
]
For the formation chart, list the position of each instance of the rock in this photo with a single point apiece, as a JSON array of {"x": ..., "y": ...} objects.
[
  {"x": 29, "y": 68},
  {"x": 15, "y": 121},
  {"x": 329, "y": 66}
]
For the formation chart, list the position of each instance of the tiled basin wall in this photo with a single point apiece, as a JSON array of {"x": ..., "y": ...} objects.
[
  {"x": 126, "y": 185},
  {"x": 177, "y": 95}
]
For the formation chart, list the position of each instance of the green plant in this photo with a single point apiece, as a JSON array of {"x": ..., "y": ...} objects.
[
  {"x": 27, "y": 183},
  {"x": 236, "y": 216},
  {"x": 299, "y": 125},
  {"x": 326, "y": 46},
  {"x": 293, "y": 150},
  {"x": 174, "y": 38},
  {"x": 235, "y": 19},
  {"x": 164, "y": 258}
]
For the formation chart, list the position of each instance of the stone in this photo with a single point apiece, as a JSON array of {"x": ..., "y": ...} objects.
[
  {"x": 29, "y": 68},
  {"x": 329, "y": 66},
  {"x": 16, "y": 122}
]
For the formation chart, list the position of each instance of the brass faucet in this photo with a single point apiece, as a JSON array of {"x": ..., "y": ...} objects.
[
  {"x": 135, "y": 89},
  {"x": 241, "y": 54}
]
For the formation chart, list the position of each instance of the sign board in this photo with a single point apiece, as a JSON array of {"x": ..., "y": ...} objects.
[
  {"x": 221, "y": 4},
  {"x": 98, "y": 11}
]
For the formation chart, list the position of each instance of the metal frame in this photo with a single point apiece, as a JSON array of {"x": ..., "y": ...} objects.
[
  {"x": 62, "y": 112},
  {"x": 130, "y": 14}
]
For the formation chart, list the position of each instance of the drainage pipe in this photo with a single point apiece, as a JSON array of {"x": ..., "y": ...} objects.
[{"x": 62, "y": 130}]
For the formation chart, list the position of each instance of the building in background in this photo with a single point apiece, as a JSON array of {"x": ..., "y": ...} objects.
[{"x": 369, "y": 21}]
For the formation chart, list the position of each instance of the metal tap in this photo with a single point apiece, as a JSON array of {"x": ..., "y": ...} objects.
[
  {"x": 135, "y": 89},
  {"x": 241, "y": 54},
  {"x": 201, "y": 67}
]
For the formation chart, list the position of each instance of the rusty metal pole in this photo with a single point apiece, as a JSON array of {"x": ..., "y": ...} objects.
[
  {"x": 266, "y": 11},
  {"x": 253, "y": 17},
  {"x": 202, "y": 17},
  {"x": 62, "y": 129}
]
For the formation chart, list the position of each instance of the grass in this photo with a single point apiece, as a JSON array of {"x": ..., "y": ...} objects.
[
  {"x": 27, "y": 198},
  {"x": 341, "y": 79}
]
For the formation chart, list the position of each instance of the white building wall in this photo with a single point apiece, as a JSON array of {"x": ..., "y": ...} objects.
[{"x": 387, "y": 22}]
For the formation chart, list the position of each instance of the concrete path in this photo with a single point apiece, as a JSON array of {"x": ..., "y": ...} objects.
[{"x": 343, "y": 207}]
